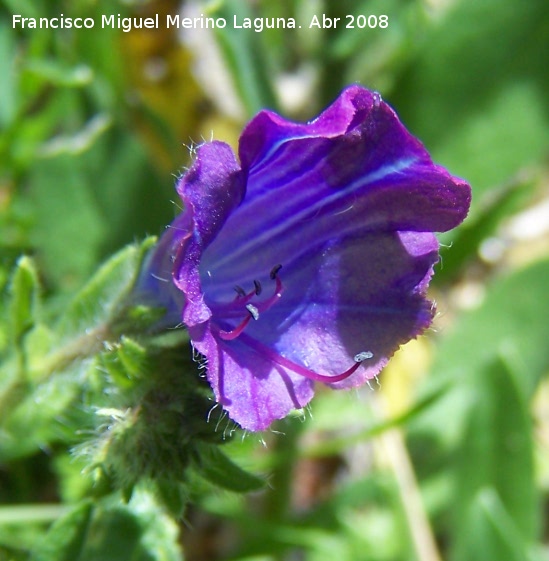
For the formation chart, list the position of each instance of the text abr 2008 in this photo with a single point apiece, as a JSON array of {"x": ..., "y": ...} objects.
[{"x": 362, "y": 21}]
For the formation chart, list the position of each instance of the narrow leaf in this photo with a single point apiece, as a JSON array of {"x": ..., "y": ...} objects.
[
  {"x": 245, "y": 57},
  {"x": 497, "y": 450},
  {"x": 24, "y": 299},
  {"x": 489, "y": 533},
  {"x": 217, "y": 468}
]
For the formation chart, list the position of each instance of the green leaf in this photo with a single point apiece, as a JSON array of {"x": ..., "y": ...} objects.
[
  {"x": 67, "y": 216},
  {"x": 27, "y": 8},
  {"x": 125, "y": 362},
  {"x": 509, "y": 136},
  {"x": 490, "y": 533},
  {"x": 114, "y": 535},
  {"x": 216, "y": 467},
  {"x": 111, "y": 531},
  {"x": 502, "y": 202},
  {"x": 24, "y": 299},
  {"x": 66, "y": 537},
  {"x": 73, "y": 145},
  {"x": 100, "y": 300},
  {"x": 497, "y": 451},
  {"x": 42, "y": 417},
  {"x": 492, "y": 360},
  {"x": 173, "y": 496}
]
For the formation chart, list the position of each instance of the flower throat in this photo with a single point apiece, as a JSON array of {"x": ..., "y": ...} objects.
[{"x": 252, "y": 311}]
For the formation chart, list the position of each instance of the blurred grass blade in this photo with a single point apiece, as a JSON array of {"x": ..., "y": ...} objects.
[
  {"x": 58, "y": 74},
  {"x": 497, "y": 452},
  {"x": 246, "y": 58},
  {"x": 8, "y": 84},
  {"x": 490, "y": 534}
]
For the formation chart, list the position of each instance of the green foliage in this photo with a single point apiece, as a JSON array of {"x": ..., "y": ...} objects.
[
  {"x": 138, "y": 531},
  {"x": 246, "y": 58}
]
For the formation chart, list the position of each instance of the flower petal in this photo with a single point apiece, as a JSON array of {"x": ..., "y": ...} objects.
[
  {"x": 210, "y": 190},
  {"x": 352, "y": 171},
  {"x": 254, "y": 391},
  {"x": 366, "y": 294}
]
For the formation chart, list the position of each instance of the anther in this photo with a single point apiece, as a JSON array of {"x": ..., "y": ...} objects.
[
  {"x": 258, "y": 287},
  {"x": 254, "y": 312},
  {"x": 239, "y": 290},
  {"x": 364, "y": 355},
  {"x": 274, "y": 271}
]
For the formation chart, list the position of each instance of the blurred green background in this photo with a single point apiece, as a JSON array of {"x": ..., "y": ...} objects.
[{"x": 449, "y": 457}]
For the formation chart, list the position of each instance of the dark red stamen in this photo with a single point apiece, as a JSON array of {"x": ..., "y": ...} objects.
[{"x": 258, "y": 287}]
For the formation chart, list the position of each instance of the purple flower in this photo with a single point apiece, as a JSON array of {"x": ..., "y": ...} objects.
[{"x": 309, "y": 260}]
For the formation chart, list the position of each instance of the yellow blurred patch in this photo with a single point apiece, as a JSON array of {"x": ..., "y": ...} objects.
[
  {"x": 403, "y": 374},
  {"x": 169, "y": 105}
]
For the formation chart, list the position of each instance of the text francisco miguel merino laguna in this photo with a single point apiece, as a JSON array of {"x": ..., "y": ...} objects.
[{"x": 128, "y": 23}]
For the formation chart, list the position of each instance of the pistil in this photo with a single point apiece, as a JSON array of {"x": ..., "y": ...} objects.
[{"x": 301, "y": 370}]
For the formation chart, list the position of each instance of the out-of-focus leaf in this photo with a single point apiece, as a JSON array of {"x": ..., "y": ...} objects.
[
  {"x": 58, "y": 74},
  {"x": 173, "y": 496},
  {"x": 510, "y": 323},
  {"x": 489, "y": 533},
  {"x": 216, "y": 467},
  {"x": 245, "y": 58},
  {"x": 370, "y": 53},
  {"x": 40, "y": 418},
  {"x": 109, "y": 531},
  {"x": 66, "y": 537},
  {"x": 8, "y": 84},
  {"x": 24, "y": 299},
  {"x": 499, "y": 139},
  {"x": 27, "y": 8},
  {"x": 134, "y": 198},
  {"x": 114, "y": 535},
  {"x": 69, "y": 227},
  {"x": 77, "y": 143},
  {"x": 476, "y": 95},
  {"x": 497, "y": 450}
]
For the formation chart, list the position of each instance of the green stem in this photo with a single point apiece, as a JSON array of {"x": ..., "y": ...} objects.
[
  {"x": 277, "y": 502},
  {"x": 76, "y": 349}
]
